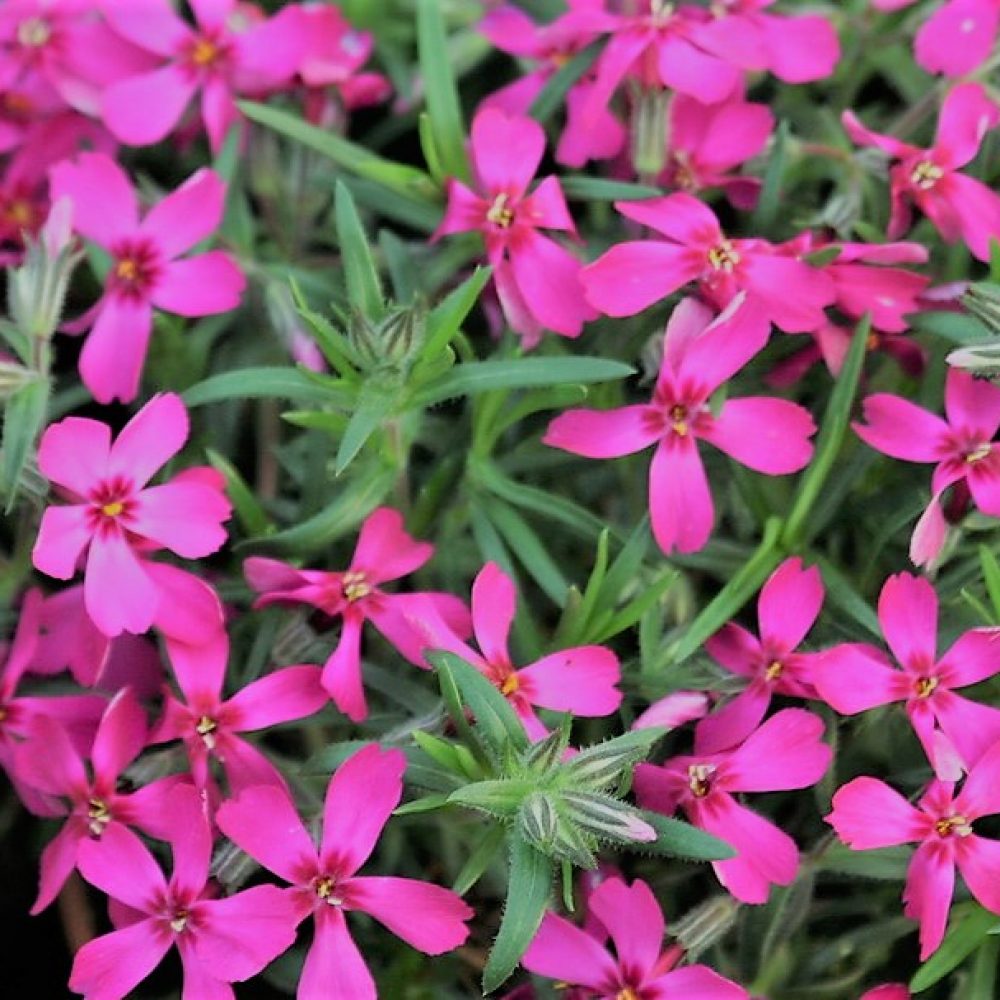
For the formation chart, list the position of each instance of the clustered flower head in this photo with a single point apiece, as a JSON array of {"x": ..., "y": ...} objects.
[{"x": 211, "y": 705}]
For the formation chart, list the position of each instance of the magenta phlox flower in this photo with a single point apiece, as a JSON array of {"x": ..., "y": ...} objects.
[
  {"x": 536, "y": 278},
  {"x": 211, "y": 726},
  {"x": 384, "y": 552},
  {"x": 324, "y": 882},
  {"x": 854, "y": 677},
  {"x": 959, "y": 206},
  {"x": 700, "y": 354},
  {"x": 49, "y": 762},
  {"x": 112, "y": 514},
  {"x": 229, "y": 52},
  {"x": 785, "y": 753},
  {"x": 673, "y": 710},
  {"x": 868, "y": 814},
  {"x": 889, "y": 991},
  {"x": 582, "y": 680},
  {"x": 787, "y": 609},
  {"x": 146, "y": 268},
  {"x": 220, "y": 940},
  {"x": 632, "y": 276},
  {"x": 960, "y": 445},
  {"x": 640, "y": 967}
]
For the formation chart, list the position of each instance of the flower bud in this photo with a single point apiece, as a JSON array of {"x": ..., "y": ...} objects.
[{"x": 606, "y": 818}]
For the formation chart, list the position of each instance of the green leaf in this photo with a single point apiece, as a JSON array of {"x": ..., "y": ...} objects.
[
  {"x": 452, "y": 756},
  {"x": 428, "y": 803},
  {"x": 524, "y": 373},
  {"x": 635, "y": 609},
  {"x": 550, "y": 98},
  {"x": 828, "y": 443},
  {"x": 841, "y": 593},
  {"x": 959, "y": 328},
  {"x": 769, "y": 202},
  {"x": 23, "y": 416},
  {"x": 963, "y": 938},
  {"x": 479, "y": 860},
  {"x": 446, "y": 125},
  {"x": 405, "y": 180},
  {"x": 501, "y": 797},
  {"x": 581, "y": 188},
  {"x": 264, "y": 383},
  {"x": 677, "y": 839},
  {"x": 883, "y": 864},
  {"x": 991, "y": 576},
  {"x": 364, "y": 291},
  {"x": 496, "y": 721},
  {"x": 528, "y": 890},
  {"x": 982, "y": 985},
  {"x": 252, "y": 515},
  {"x": 447, "y": 317},
  {"x": 375, "y": 403}
]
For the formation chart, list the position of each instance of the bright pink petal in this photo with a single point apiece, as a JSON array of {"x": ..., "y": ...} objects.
[
  {"x": 190, "y": 839},
  {"x": 736, "y": 132},
  {"x": 121, "y": 866},
  {"x": 115, "y": 350},
  {"x": 680, "y": 504},
  {"x": 342, "y": 671},
  {"x": 334, "y": 968},
  {"x": 218, "y": 111},
  {"x": 547, "y": 208},
  {"x": 183, "y": 517},
  {"x": 245, "y": 765},
  {"x": 144, "y": 109},
  {"x": 689, "y": 70},
  {"x": 697, "y": 982},
  {"x": 789, "y": 603},
  {"x": 150, "y": 439},
  {"x": 908, "y": 613},
  {"x": 972, "y": 404},
  {"x": 506, "y": 150},
  {"x": 263, "y": 822},
  {"x": 984, "y": 483},
  {"x": 957, "y": 37},
  {"x": 604, "y": 433},
  {"x": 118, "y": 594},
  {"x": 980, "y": 795},
  {"x": 104, "y": 202},
  {"x": 188, "y": 215},
  {"x": 271, "y": 51},
  {"x": 74, "y": 453},
  {"x": 930, "y": 883},
  {"x": 427, "y": 917},
  {"x": 863, "y": 136},
  {"x": 581, "y": 681},
  {"x": 967, "y": 114},
  {"x": 190, "y": 610},
  {"x": 548, "y": 278},
  {"x": 673, "y": 710},
  {"x": 287, "y": 694},
  {"x": 735, "y": 649},
  {"x": 48, "y": 761},
  {"x": 362, "y": 794},
  {"x": 852, "y": 678},
  {"x": 972, "y": 658},
  {"x": 616, "y": 59},
  {"x": 868, "y": 814},
  {"x": 200, "y": 668},
  {"x": 494, "y": 604},
  {"x": 632, "y": 276},
  {"x": 979, "y": 863},
  {"x": 734, "y": 722},
  {"x": 971, "y": 726},
  {"x": 111, "y": 966},
  {"x": 465, "y": 210},
  {"x": 385, "y": 551},
  {"x": 768, "y": 435},
  {"x": 901, "y": 429},
  {"x": 632, "y": 916},
  {"x": 976, "y": 208},
  {"x": 151, "y": 24},
  {"x": 680, "y": 217},
  {"x": 560, "y": 950},
  {"x": 786, "y": 752},
  {"x": 801, "y": 49},
  {"x": 62, "y": 536},
  {"x": 769, "y": 276},
  {"x": 58, "y": 861},
  {"x": 120, "y": 737},
  {"x": 204, "y": 285}
]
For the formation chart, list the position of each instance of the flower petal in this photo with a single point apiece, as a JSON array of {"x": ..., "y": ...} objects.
[
  {"x": 150, "y": 439},
  {"x": 853, "y": 677},
  {"x": 204, "y": 285},
  {"x": 930, "y": 884},
  {"x": 74, "y": 453},
  {"x": 868, "y": 814},
  {"x": 110, "y": 966},
  {"x": 790, "y": 603},
  {"x": 901, "y": 429},
  {"x": 385, "y": 551},
  {"x": 188, "y": 215},
  {"x": 787, "y": 752},
  {"x": 118, "y": 594},
  {"x": 143, "y": 109},
  {"x": 105, "y": 206},
  {"x": 632, "y": 916},
  {"x": 334, "y": 968},
  {"x": 506, "y": 151},
  {"x": 680, "y": 504},
  {"x": 287, "y": 694},
  {"x": 632, "y": 276},
  {"x": 62, "y": 536},
  {"x": 603, "y": 433},
  {"x": 341, "y": 676},
  {"x": 767, "y": 435},
  {"x": 560, "y": 950},
  {"x": 581, "y": 680},
  {"x": 183, "y": 517},
  {"x": 494, "y": 604},
  {"x": 114, "y": 353},
  {"x": 908, "y": 613}
]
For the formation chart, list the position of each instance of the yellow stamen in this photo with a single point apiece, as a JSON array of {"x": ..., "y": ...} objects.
[
  {"x": 509, "y": 685},
  {"x": 179, "y": 921},
  {"x": 206, "y": 728},
  {"x": 204, "y": 52},
  {"x": 925, "y": 175},
  {"x": 774, "y": 670},
  {"x": 34, "y": 32},
  {"x": 113, "y": 509},
  {"x": 724, "y": 257},
  {"x": 679, "y": 420},
  {"x": 979, "y": 453},
  {"x": 700, "y": 779},
  {"x": 626, "y": 994},
  {"x": 127, "y": 269},
  {"x": 20, "y": 213},
  {"x": 958, "y": 825},
  {"x": 324, "y": 889},
  {"x": 98, "y": 816},
  {"x": 925, "y": 686},
  {"x": 500, "y": 214},
  {"x": 355, "y": 586}
]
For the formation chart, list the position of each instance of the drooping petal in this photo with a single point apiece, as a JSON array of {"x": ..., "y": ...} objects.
[
  {"x": 673, "y": 710},
  {"x": 74, "y": 453},
  {"x": 204, "y": 285},
  {"x": 105, "y": 206},
  {"x": 789, "y": 603},
  {"x": 150, "y": 439},
  {"x": 143, "y": 109},
  {"x": 110, "y": 966},
  {"x": 901, "y": 429},
  {"x": 362, "y": 794},
  {"x": 342, "y": 671},
  {"x": 581, "y": 681},
  {"x": 494, "y": 604},
  {"x": 385, "y": 551},
  {"x": 62, "y": 536},
  {"x": 287, "y": 694},
  {"x": 680, "y": 217},
  {"x": 853, "y": 677},
  {"x": 560, "y": 950},
  {"x": 868, "y": 814},
  {"x": 930, "y": 883},
  {"x": 768, "y": 435},
  {"x": 680, "y": 504},
  {"x": 929, "y": 534},
  {"x": 863, "y": 136},
  {"x": 118, "y": 594},
  {"x": 971, "y": 726},
  {"x": 115, "y": 349},
  {"x": 604, "y": 433},
  {"x": 786, "y": 752},
  {"x": 633, "y": 918},
  {"x": 908, "y": 614},
  {"x": 506, "y": 151},
  {"x": 334, "y": 968},
  {"x": 427, "y": 917}
]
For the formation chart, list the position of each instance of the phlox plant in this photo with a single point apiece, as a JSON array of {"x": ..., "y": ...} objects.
[{"x": 500, "y": 498}]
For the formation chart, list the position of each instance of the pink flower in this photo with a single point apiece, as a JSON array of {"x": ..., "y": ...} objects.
[
  {"x": 220, "y": 941},
  {"x": 869, "y": 814},
  {"x": 960, "y": 207},
  {"x": 581, "y": 680},
  {"x": 112, "y": 515},
  {"x": 49, "y": 762},
  {"x": 890, "y": 991},
  {"x": 673, "y": 710},
  {"x": 854, "y": 677},
  {"x": 707, "y": 141},
  {"x": 361, "y": 796},
  {"x": 634, "y": 275},
  {"x": 961, "y": 445},
  {"x": 537, "y": 280},
  {"x": 700, "y": 354},
  {"x": 784, "y": 754},
  {"x": 788, "y": 607},
  {"x": 640, "y": 968},
  {"x": 78, "y": 714},
  {"x": 145, "y": 271},
  {"x": 230, "y": 53},
  {"x": 384, "y": 552},
  {"x": 210, "y": 726}
]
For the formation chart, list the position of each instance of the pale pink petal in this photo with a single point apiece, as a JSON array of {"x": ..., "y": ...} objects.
[
  {"x": 634, "y": 920},
  {"x": 734, "y": 722},
  {"x": 263, "y": 822},
  {"x": 790, "y": 603},
  {"x": 957, "y": 37},
  {"x": 104, "y": 202},
  {"x": 930, "y": 883},
  {"x": 560, "y": 950},
  {"x": 188, "y": 215},
  {"x": 929, "y": 534},
  {"x": 120, "y": 737},
  {"x": 205, "y": 285},
  {"x": 868, "y": 814},
  {"x": 150, "y": 439},
  {"x": 118, "y": 594},
  {"x": 768, "y": 435},
  {"x": 901, "y": 429},
  {"x": 62, "y": 536},
  {"x": 74, "y": 453},
  {"x": 121, "y": 866},
  {"x": 334, "y": 968},
  {"x": 362, "y": 794},
  {"x": 115, "y": 350},
  {"x": 342, "y": 671},
  {"x": 385, "y": 551},
  {"x": 57, "y": 862},
  {"x": 151, "y": 24},
  {"x": 632, "y": 276},
  {"x": 680, "y": 504},
  {"x": 908, "y": 613},
  {"x": 183, "y": 517},
  {"x": 604, "y": 433},
  {"x": 143, "y": 109},
  {"x": 673, "y": 710},
  {"x": 111, "y": 966},
  {"x": 494, "y": 604},
  {"x": 786, "y": 752},
  {"x": 581, "y": 681},
  {"x": 427, "y": 917},
  {"x": 287, "y": 694},
  {"x": 548, "y": 278},
  {"x": 853, "y": 677},
  {"x": 506, "y": 151}
]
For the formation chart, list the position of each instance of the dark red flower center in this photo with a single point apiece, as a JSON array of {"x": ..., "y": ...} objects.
[
  {"x": 135, "y": 269},
  {"x": 111, "y": 503}
]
